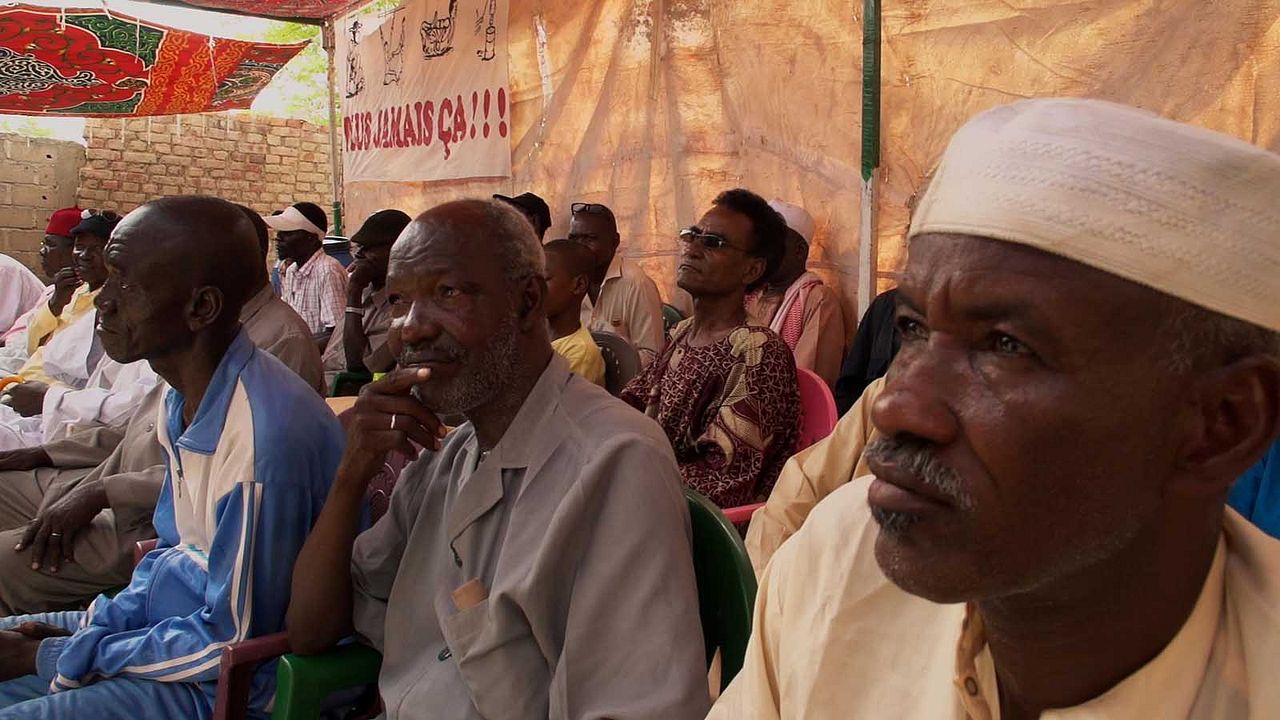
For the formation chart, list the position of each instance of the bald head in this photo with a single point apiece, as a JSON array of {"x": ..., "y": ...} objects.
[
  {"x": 178, "y": 269},
  {"x": 207, "y": 239}
]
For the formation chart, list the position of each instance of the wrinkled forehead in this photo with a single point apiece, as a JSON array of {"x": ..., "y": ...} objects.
[
  {"x": 426, "y": 250},
  {"x": 990, "y": 278}
]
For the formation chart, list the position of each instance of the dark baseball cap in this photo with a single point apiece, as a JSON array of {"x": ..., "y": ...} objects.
[
  {"x": 97, "y": 224},
  {"x": 531, "y": 205},
  {"x": 381, "y": 228}
]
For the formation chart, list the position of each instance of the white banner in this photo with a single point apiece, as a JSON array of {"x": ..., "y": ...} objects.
[{"x": 425, "y": 93}]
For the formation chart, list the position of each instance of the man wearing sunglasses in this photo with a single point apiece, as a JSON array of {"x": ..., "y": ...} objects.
[
  {"x": 724, "y": 390},
  {"x": 622, "y": 299}
]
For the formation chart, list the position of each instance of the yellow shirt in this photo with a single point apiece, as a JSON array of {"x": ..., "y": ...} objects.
[
  {"x": 834, "y": 638},
  {"x": 584, "y": 357},
  {"x": 44, "y": 324},
  {"x": 811, "y": 475}
]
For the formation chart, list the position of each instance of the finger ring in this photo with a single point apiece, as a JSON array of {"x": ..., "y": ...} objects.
[
  {"x": 55, "y": 535},
  {"x": 393, "y": 422}
]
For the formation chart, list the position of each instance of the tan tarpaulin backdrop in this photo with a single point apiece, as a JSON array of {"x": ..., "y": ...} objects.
[{"x": 653, "y": 106}]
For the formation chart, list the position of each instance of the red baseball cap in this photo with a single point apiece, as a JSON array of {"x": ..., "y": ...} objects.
[{"x": 63, "y": 221}]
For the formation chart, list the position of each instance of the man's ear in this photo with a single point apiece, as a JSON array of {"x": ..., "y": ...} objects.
[
  {"x": 532, "y": 300},
  {"x": 1235, "y": 420},
  {"x": 580, "y": 284},
  {"x": 204, "y": 308}
]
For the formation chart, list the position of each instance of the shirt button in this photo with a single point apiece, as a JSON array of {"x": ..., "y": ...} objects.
[
  {"x": 445, "y": 654},
  {"x": 971, "y": 686}
]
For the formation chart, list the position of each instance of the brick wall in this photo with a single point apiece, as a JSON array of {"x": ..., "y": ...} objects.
[
  {"x": 265, "y": 163},
  {"x": 37, "y": 176}
]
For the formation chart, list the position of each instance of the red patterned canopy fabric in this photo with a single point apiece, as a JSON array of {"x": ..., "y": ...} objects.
[
  {"x": 95, "y": 63},
  {"x": 314, "y": 9}
]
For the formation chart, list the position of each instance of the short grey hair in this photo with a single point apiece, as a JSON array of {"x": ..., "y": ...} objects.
[
  {"x": 1199, "y": 337},
  {"x": 514, "y": 240}
]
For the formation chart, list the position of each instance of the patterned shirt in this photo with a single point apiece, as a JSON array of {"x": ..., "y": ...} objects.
[
  {"x": 317, "y": 291},
  {"x": 731, "y": 410}
]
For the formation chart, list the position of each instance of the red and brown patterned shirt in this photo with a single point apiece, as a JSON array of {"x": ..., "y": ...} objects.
[{"x": 731, "y": 410}]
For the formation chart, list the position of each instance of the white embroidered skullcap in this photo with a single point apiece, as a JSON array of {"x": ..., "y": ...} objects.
[
  {"x": 797, "y": 218},
  {"x": 1184, "y": 210}
]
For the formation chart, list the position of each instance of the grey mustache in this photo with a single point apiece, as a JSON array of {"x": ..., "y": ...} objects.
[{"x": 917, "y": 459}]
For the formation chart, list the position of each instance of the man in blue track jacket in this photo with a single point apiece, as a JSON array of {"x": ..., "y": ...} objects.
[{"x": 251, "y": 451}]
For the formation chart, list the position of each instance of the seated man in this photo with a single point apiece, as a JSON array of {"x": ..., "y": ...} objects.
[
  {"x": 796, "y": 304},
  {"x": 83, "y": 387},
  {"x": 311, "y": 282},
  {"x": 20, "y": 291},
  {"x": 56, "y": 262},
  {"x": 621, "y": 299},
  {"x": 537, "y": 561},
  {"x": 568, "y": 274},
  {"x": 1044, "y": 531},
  {"x": 90, "y": 236},
  {"x": 72, "y": 301},
  {"x": 98, "y": 488},
  {"x": 725, "y": 391},
  {"x": 359, "y": 344},
  {"x": 251, "y": 451},
  {"x": 534, "y": 209}
]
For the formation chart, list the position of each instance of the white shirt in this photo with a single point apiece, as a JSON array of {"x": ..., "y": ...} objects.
[{"x": 20, "y": 290}]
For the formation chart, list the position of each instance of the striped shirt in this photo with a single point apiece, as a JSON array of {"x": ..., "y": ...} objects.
[{"x": 317, "y": 291}]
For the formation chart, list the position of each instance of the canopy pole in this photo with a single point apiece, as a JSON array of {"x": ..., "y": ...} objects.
[
  {"x": 335, "y": 156},
  {"x": 870, "y": 151}
]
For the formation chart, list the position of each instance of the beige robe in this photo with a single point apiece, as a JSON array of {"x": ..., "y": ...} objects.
[
  {"x": 834, "y": 638},
  {"x": 810, "y": 476},
  {"x": 553, "y": 581}
]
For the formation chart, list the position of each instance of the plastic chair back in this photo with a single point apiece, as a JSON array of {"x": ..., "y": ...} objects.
[
  {"x": 818, "y": 414},
  {"x": 726, "y": 585},
  {"x": 671, "y": 316},
  {"x": 621, "y": 361}
]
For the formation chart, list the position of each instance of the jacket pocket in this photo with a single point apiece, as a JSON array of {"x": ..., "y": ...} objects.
[{"x": 505, "y": 672}]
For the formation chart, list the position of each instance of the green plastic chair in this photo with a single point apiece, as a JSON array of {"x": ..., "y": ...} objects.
[
  {"x": 348, "y": 384},
  {"x": 671, "y": 316},
  {"x": 726, "y": 595}
]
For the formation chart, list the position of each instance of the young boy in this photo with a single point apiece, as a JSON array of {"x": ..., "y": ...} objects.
[{"x": 568, "y": 272}]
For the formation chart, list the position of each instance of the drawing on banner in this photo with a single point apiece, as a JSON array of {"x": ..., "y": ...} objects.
[
  {"x": 392, "y": 51},
  {"x": 442, "y": 115},
  {"x": 355, "y": 71},
  {"x": 490, "y": 9},
  {"x": 437, "y": 33},
  {"x": 25, "y": 74}
]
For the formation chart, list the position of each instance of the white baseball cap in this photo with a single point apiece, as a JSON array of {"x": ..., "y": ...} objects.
[{"x": 292, "y": 219}]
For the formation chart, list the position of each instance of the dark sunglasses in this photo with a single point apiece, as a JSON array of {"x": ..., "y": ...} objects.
[
  {"x": 590, "y": 209},
  {"x": 710, "y": 241}
]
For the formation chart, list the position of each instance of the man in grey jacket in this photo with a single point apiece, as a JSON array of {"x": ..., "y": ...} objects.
[{"x": 537, "y": 561}]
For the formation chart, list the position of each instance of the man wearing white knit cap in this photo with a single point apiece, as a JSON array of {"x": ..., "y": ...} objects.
[
  {"x": 1090, "y": 357},
  {"x": 796, "y": 304}
]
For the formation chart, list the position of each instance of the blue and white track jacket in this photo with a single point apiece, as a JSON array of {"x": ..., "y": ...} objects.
[{"x": 246, "y": 482}]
